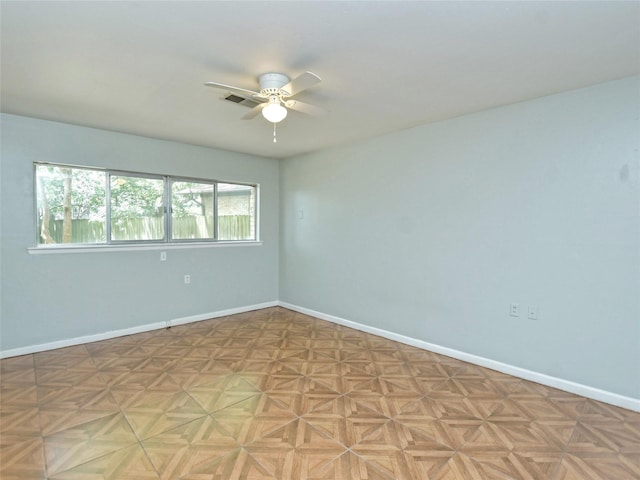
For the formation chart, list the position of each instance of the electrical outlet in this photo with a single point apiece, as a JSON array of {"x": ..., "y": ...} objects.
[
  {"x": 163, "y": 256},
  {"x": 514, "y": 309},
  {"x": 187, "y": 279},
  {"x": 532, "y": 313}
]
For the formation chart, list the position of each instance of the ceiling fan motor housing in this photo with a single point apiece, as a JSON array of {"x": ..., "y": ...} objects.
[{"x": 272, "y": 83}]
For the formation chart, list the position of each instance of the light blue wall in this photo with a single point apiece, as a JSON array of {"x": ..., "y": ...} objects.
[
  {"x": 429, "y": 233},
  {"x": 432, "y": 232},
  {"x": 46, "y": 298}
]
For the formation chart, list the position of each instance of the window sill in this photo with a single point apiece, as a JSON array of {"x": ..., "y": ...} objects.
[{"x": 136, "y": 248}]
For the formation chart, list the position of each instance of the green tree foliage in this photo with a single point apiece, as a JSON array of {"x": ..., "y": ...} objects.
[
  {"x": 68, "y": 194},
  {"x": 189, "y": 199},
  {"x": 87, "y": 200},
  {"x": 136, "y": 197}
]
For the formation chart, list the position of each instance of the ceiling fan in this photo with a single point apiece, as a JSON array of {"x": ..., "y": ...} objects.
[{"x": 275, "y": 96}]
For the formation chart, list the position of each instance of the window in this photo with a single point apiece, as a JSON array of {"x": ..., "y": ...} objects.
[
  {"x": 136, "y": 207},
  {"x": 192, "y": 210},
  {"x": 236, "y": 211},
  {"x": 78, "y": 205},
  {"x": 71, "y": 205}
]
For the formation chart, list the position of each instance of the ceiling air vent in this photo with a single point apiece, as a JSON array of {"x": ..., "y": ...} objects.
[
  {"x": 247, "y": 102},
  {"x": 234, "y": 98}
]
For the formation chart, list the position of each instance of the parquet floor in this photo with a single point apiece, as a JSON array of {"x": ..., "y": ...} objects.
[{"x": 274, "y": 394}]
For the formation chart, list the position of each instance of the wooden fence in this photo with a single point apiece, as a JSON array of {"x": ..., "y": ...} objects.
[{"x": 230, "y": 227}]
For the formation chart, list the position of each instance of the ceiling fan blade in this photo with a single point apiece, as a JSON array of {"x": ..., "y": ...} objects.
[
  {"x": 303, "y": 107},
  {"x": 233, "y": 89},
  {"x": 302, "y": 82},
  {"x": 254, "y": 111}
]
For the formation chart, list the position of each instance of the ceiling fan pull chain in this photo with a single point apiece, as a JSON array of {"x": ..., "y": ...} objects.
[{"x": 275, "y": 140}]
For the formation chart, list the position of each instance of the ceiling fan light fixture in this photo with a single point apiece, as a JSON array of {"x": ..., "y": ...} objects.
[{"x": 274, "y": 112}]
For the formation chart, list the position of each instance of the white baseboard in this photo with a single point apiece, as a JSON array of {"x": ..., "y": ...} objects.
[
  {"x": 130, "y": 331},
  {"x": 559, "y": 383}
]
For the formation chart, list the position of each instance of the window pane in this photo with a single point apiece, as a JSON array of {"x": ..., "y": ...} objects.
[
  {"x": 191, "y": 210},
  {"x": 236, "y": 212},
  {"x": 137, "y": 208},
  {"x": 71, "y": 205}
]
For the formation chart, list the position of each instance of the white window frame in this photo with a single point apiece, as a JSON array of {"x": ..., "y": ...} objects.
[{"x": 167, "y": 241}]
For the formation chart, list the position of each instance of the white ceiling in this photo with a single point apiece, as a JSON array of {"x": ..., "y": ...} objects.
[{"x": 139, "y": 67}]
